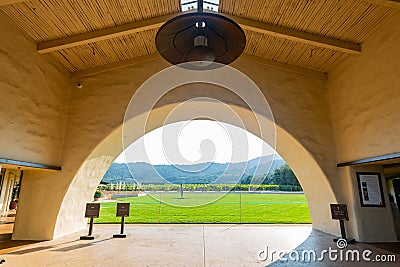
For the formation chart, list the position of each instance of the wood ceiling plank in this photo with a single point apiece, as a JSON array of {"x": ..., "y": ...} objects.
[
  {"x": 105, "y": 34},
  {"x": 388, "y": 3},
  {"x": 347, "y": 23},
  {"x": 343, "y": 20},
  {"x": 153, "y": 23},
  {"x": 298, "y": 36},
  {"x": 10, "y": 2},
  {"x": 154, "y": 56}
]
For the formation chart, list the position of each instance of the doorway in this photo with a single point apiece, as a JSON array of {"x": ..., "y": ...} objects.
[
  {"x": 394, "y": 196},
  {"x": 396, "y": 189}
]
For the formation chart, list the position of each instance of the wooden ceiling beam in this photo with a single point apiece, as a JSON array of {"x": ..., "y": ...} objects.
[
  {"x": 116, "y": 65},
  {"x": 298, "y": 36},
  {"x": 10, "y": 2},
  {"x": 156, "y": 56},
  {"x": 105, "y": 34},
  {"x": 153, "y": 23},
  {"x": 388, "y": 3}
]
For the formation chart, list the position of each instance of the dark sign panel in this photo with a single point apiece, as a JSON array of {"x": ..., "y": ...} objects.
[
  {"x": 370, "y": 189},
  {"x": 123, "y": 209},
  {"x": 92, "y": 210},
  {"x": 339, "y": 212}
]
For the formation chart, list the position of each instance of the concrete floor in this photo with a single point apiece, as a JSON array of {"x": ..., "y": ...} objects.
[
  {"x": 6, "y": 229},
  {"x": 182, "y": 245}
]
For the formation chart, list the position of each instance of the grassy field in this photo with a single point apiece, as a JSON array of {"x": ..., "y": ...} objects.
[{"x": 231, "y": 208}]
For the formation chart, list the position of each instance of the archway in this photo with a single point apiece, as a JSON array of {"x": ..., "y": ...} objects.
[
  {"x": 94, "y": 130},
  {"x": 311, "y": 177}
]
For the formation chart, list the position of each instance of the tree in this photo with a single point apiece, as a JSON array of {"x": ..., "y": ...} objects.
[
  {"x": 246, "y": 180},
  {"x": 282, "y": 176}
]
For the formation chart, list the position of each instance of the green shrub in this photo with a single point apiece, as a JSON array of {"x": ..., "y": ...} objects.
[{"x": 98, "y": 194}]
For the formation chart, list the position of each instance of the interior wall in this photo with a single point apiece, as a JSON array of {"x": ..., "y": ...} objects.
[
  {"x": 357, "y": 111},
  {"x": 34, "y": 92},
  {"x": 299, "y": 104},
  {"x": 364, "y": 99},
  {"x": 94, "y": 112},
  {"x": 369, "y": 224},
  {"x": 33, "y": 112},
  {"x": 41, "y": 91}
]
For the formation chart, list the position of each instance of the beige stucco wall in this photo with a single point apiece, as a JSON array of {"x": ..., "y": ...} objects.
[
  {"x": 94, "y": 112},
  {"x": 33, "y": 113},
  {"x": 299, "y": 104},
  {"x": 312, "y": 117},
  {"x": 364, "y": 94},
  {"x": 364, "y": 97},
  {"x": 34, "y": 92},
  {"x": 370, "y": 224}
]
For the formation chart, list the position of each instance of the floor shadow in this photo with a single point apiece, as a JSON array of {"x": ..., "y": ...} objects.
[
  {"x": 9, "y": 245},
  {"x": 30, "y": 250},
  {"x": 102, "y": 240},
  {"x": 74, "y": 247},
  {"x": 67, "y": 242},
  {"x": 5, "y": 237},
  {"x": 78, "y": 246},
  {"x": 389, "y": 246}
]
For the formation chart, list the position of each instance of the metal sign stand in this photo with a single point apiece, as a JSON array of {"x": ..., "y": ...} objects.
[
  {"x": 122, "y": 211},
  {"x": 89, "y": 236},
  {"x": 339, "y": 212},
  {"x": 92, "y": 211},
  {"x": 121, "y": 234}
]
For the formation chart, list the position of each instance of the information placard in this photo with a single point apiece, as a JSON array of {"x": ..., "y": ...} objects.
[
  {"x": 370, "y": 189},
  {"x": 92, "y": 210},
  {"x": 123, "y": 209},
  {"x": 339, "y": 212}
]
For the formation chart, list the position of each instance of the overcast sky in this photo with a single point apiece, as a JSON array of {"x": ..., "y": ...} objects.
[{"x": 194, "y": 142}]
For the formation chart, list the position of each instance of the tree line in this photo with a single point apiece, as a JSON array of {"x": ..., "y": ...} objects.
[
  {"x": 281, "y": 179},
  {"x": 280, "y": 176}
]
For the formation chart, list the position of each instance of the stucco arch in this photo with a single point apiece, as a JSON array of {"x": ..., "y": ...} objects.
[
  {"x": 96, "y": 112},
  {"x": 312, "y": 178},
  {"x": 325, "y": 116}
]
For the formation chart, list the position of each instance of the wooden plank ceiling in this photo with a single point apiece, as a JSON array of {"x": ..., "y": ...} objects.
[{"x": 310, "y": 34}]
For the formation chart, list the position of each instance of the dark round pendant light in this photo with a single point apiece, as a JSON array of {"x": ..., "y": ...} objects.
[{"x": 200, "y": 37}]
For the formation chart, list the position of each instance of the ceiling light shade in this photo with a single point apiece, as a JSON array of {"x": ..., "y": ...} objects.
[{"x": 205, "y": 37}]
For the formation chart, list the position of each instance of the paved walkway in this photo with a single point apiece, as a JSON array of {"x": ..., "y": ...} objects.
[{"x": 184, "y": 245}]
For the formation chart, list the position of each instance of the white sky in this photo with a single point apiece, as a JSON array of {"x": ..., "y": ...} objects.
[{"x": 194, "y": 142}]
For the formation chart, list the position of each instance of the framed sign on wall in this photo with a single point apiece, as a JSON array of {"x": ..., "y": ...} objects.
[{"x": 370, "y": 189}]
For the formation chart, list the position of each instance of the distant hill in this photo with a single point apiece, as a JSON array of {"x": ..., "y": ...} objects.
[{"x": 223, "y": 173}]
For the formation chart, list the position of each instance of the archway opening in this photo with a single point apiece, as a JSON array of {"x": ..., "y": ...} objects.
[
  {"x": 302, "y": 161},
  {"x": 202, "y": 171}
]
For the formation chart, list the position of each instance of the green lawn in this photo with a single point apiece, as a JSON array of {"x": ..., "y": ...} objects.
[{"x": 254, "y": 208}]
